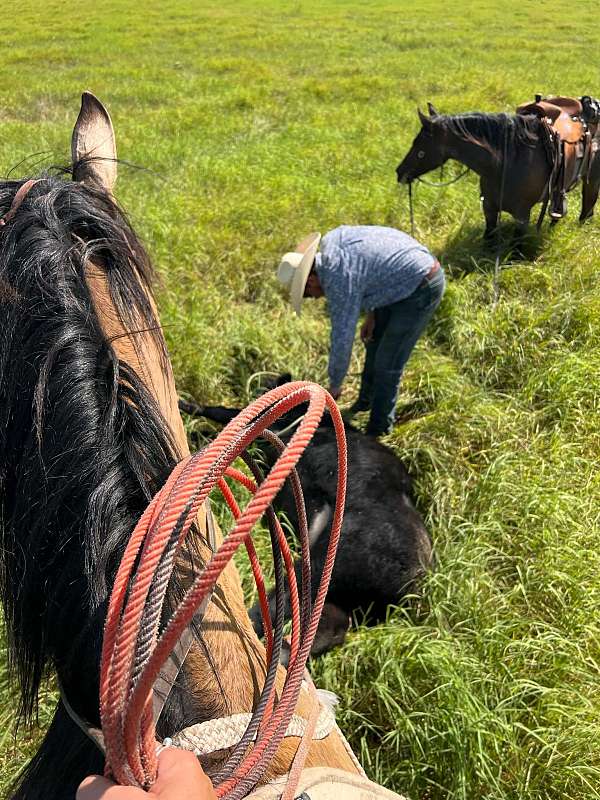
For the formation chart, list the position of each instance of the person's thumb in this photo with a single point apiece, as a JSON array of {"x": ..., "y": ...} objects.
[
  {"x": 180, "y": 777},
  {"x": 94, "y": 787}
]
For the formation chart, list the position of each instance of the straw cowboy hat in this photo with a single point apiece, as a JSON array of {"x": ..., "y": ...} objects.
[{"x": 295, "y": 267}]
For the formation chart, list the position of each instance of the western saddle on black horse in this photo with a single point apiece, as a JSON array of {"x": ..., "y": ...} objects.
[{"x": 571, "y": 125}]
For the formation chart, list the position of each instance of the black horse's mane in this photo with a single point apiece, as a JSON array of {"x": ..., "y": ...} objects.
[
  {"x": 83, "y": 444},
  {"x": 495, "y": 132}
]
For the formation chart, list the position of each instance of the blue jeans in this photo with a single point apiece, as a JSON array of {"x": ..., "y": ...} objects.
[{"x": 397, "y": 330}]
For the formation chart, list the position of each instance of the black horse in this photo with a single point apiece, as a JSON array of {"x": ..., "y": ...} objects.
[
  {"x": 510, "y": 154},
  {"x": 384, "y": 547}
]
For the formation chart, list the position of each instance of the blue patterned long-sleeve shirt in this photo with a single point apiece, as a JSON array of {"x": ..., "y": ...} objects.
[{"x": 362, "y": 268}]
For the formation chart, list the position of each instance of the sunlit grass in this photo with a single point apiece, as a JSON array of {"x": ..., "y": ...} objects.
[{"x": 261, "y": 121}]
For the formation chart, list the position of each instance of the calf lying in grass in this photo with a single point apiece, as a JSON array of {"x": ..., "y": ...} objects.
[{"x": 384, "y": 547}]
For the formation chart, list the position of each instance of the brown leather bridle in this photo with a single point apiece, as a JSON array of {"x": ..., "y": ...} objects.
[{"x": 18, "y": 200}]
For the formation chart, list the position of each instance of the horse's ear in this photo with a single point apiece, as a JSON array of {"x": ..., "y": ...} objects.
[
  {"x": 93, "y": 146},
  {"x": 425, "y": 121},
  {"x": 284, "y": 378},
  {"x": 432, "y": 111}
]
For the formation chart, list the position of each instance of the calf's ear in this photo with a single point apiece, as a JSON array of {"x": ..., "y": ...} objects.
[
  {"x": 432, "y": 110},
  {"x": 286, "y": 377},
  {"x": 93, "y": 145}
]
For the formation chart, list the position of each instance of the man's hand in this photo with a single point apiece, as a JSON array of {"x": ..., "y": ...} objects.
[
  {"x": 180, "y": 777},
  {"x": 335, "y": 392},
  {"x": 367, "y": 328}
]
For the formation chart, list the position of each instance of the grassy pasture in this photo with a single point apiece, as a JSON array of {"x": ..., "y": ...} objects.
[{"x": 260, "y": 121}]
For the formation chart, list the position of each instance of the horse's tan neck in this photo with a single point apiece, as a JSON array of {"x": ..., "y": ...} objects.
[
  {"x": 231, "y": 666},
  {"x": 139, "y": 350}
]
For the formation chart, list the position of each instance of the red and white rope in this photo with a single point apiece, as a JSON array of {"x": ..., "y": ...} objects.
[{"x": 132, "y": 655}]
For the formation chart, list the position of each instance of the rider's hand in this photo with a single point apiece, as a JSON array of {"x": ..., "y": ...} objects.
[
  {"x": 367, "y": 328},
  {"x": 180, "y": 777}
]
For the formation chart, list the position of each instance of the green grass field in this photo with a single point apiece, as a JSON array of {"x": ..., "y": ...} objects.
[{"x": 260, "y": 121}]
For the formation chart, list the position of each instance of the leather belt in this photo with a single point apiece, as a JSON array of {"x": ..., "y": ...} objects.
[{"x": 436, "y": 267}]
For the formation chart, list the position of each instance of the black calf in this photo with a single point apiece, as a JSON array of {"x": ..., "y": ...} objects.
[{"x": 384, "y": 548}]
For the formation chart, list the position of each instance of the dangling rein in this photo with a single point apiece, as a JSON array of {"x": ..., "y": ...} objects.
[
  {"x": 135, "y": 647},
  {"x": 437, "y": 185}
]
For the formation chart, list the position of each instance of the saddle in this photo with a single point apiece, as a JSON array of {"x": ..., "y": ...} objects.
[
  {"x": 570, "y": 126},
  {"x": 326, "y": 783},
  {"x": 552, "y": 108}
]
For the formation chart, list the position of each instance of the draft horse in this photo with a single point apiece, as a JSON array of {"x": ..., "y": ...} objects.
[
  {"x": 510, "y": 154},
  {"x": 89, "y": 431}
]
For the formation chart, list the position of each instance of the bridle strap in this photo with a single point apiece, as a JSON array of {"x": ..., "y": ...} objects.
[
  {"x": 21, "y": 194},
  {"x": 443, "y": 184},
  {"x": 95, "y": 734},
  {"x": 498, "y": 230},
  {"x": 172, "y": 667}
]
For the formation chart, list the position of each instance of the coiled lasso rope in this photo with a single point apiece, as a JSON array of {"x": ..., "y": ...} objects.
[{"x": 135, "y": 646}]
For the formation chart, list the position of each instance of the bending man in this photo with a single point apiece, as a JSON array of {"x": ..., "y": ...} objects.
[{"x": 379, "y": 270}]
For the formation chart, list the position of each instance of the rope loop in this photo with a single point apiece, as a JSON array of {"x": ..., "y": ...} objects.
[
  {"x": 428, "y": 183},
  {"x": 136, "y": 644}
]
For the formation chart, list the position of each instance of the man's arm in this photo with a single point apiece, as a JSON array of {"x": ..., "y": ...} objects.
[{"x": 344, "y": 318}]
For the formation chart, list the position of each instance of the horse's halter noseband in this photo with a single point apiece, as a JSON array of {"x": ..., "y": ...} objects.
[{"x": 21, "y": 194}]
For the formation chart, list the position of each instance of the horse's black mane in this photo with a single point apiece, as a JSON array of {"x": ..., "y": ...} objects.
[
  {"x": 83, "y": 444},
  {"x": 493, "y": 131}
]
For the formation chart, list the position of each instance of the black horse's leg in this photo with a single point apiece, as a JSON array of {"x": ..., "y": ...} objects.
[
  {"x": 590, "y": 189},
  {"x": 520, "y": 234},
  {"x": 490, "y": 212}
]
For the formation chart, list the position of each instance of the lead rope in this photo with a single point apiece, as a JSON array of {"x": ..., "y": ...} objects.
[
  {"x": 126, "y": 680},
  {"x": 437, "y": 185},
  {"x": 496, "y": 282}
]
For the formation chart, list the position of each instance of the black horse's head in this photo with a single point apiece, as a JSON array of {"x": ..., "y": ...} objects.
[{"x": 427, "y": 151}]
